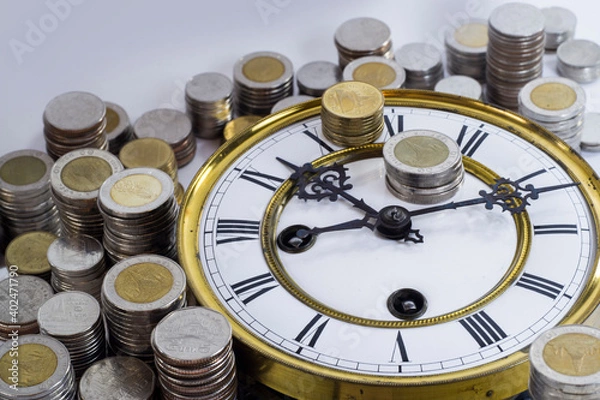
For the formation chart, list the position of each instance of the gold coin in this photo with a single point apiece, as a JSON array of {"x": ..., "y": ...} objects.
[
  {"x": 263, "y": 69},
  {"x": 553, "y": 96},
  {"x": 85, "y": 174},
  {"x": 136, "y": 190},
  {"x": 377, "y": 74},
  {"x": 144, "y": 282},
  {"x": 238, "y": 125},
  {"x": 352, "y": 99},
  {"x": 37, "y": 363},
  {"x": 573, "y": 354},
  {"x": 421, "y": 151},
  {"x": 179, "y": 193},
  {"x": 112, "y": 120},
  {"x": 23, "y": 170},
  {"x": 472, "y": 35},
  {"x": 28, "y": 251},
  {"x": 148, "y": 152}
]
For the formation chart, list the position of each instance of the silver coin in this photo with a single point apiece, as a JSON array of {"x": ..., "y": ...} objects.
[
  {"x": 75, "y": 112},
  {"x": 361, "y": 37},
  {"x": 208, "y": 88},
  {"x": 422, "y": 63},
  {"x": 317, "y": 76},
  {"x": 290, "y": 101},
  {"x": 167, "y": 124},
  {"x": 32, "y": 293},
  {"x": 75, "y": 256},
  {"x": 590, "y": 139},
  {"x": 579, "y": 59},
  {"x": 68, "y": 314},
  {"x": 460, "y": 85},
  {"x": 517, "y": 20},
  {"x": 559, "y": 25}
]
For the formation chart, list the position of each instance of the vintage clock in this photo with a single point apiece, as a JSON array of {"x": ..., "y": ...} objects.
[{"x": 289, "y": 237}]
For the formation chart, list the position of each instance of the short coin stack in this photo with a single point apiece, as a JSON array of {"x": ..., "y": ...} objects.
[
  {"x": 559, "y": 26},
  {"x": 136, "y": 294},
  {"x": 317, "y": 76},
  {"x": 118, "y": 127},
  {"x": 348, "y": 121},
  {"x": 238, "y": 125},
  {"x": 466, "y": 48},
  {"x": 360, "y": 37},
  {"x": 590, "y": 136},
  {"x": 260, "y": 80},
  {"x": 422, "y": 63},
  {"x": 28, "y": 252},
  {"x": 460, "y": 85},
  {"x": 579, "y": 60},
  {"x": 290, "y": 101},
  {"x": 183, "y": 372},
  {"x": 74, "y": 318},
  {"x": 74, "y": 120},
  {"x": 25, "y": 200},
  {"x": 515, "y": 51},
  {"x": 78, "y": 264},
  {"x": 377, "y": 71},
  {"x": 556, "y": 103},
  {"x": 45, "y": 370},
  {"x": 422, "y": 166},
  {"x": 140, "y": 214},
  {"x": 209, "y": 103}
]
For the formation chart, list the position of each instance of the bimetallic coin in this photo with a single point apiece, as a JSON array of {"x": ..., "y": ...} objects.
[
  {"x": 466, "y": 49},
  {"x": 317, "y": 76},
  {"x": 238, "y": 125},
  {"x": 28, "y": 252},
  {"x": 377, "y": 71},
  {"x": 117, "y": 378},
  {"x": 118, "y": 127}
]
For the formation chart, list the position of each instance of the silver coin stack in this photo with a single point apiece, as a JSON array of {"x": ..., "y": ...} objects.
[
  {"x": 579, "y": 59},
  {"x": 515, "y": 51},
  {"x": 75, "y": 180},
  {"x": 466, "y": 48},
  {"x": 25, "y": 201},
  {"x": 140, "y": 214},
  {"x": 564, "y": 364},
  {"x": 556, "y": 103},
  {"x": 183, "y": 374},
  {"x": 314, "y": 78},
  {"x": 423, "y": 166},
  {"x": 209, "y": 104},
  {"x": 290, "y": 101},
  {"x": 377, "y": 71},
  {"x": 422, "y": 63},
  {"x": 360, "y": 37},
  {"x": 559, "y": 26},
  {"x": 172, "y": 126},
  {"x": 260, "y": 80},
  {"x": 74, "y": 318},
  {"x": 77, "y": 264},
  {"x": 45, "y": 364},
  {"x": 33, "y": 292},
  {"x": 136, "y": 294},
  {"x": 590, "y": 136},
  {"x": 460, "y": 85},
  {"x": 113, "y": 377},
  {"x": 74, "y": 120},
  {"x": 118, "y": 127}
]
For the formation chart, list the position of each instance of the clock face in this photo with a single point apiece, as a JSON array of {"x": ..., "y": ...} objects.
[{"x": 492, "y": 281}]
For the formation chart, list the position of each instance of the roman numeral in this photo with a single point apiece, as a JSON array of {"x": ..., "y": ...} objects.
[
  {"x": 540, "y": 285},
  {"x": 555, "y": 229},
  {"x": 311, "y": 332},
  {"x": 321, "y": 143},
  {"x": 399, "y": 349},
  {"x": 267, "y": 181},
  {"x": 483, "y": 329},
  {"x": 389, "y": 124},
  {"x": 237, "y": 230},
  {"x": 252, "y": 288},
  {"x": 469, "y": 145}
]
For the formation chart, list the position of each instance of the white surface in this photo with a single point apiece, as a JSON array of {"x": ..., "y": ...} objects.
[{"x": 139, "y": 54}]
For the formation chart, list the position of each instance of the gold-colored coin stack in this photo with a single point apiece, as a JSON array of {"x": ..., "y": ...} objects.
[
  {"x": 352, "y": 113},
  {"x": 140, "y": 214},
  {"x": 136, "y": 294},
  {"x": 183, "y": 374},
  {"x": 118, "y": 127},
  {"x": 25, "y": 200},
  {"x": 28, "y": 252},
  {"x": 74, "y": 120},
  {"x": 362, "y": 37},
  {"x": 152, "y": 153},
  {"x": 209, "y": 103},
  {"x": 238, "y": 125}
]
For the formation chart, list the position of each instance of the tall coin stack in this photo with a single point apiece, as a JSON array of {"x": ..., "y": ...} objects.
[
  {"x": 361, "y": 37},
  {"x": 209, "y": 103},
  {"x": 75, "y": 180},
  {"x": 45, "y": 370},
  {"x": 515, "y": 51},
  {"x": 136, "y": 294},
  {"x": 422, "y": 63},
  {"x": 74, "y": 318},
  {"x": 140, "y": 214},
  {"x": 29, "y": 252},
  {"x": 352, "y": 113},
  {"x": 74, "y": 120},
  {"x": 77, "y": 264},
  {"x": 466, "y": 48},
  {"x": 118, "y": 127},
  {"x": 25, "y": 200},
  {"x": 260, "y": 80},
  {"x": 184, "y": 374}
]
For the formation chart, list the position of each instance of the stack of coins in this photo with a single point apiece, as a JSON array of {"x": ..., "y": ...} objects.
[
  {"x": 118, "y": 127},
  {"x": 564, "y": 364},
  {"x": 590, "y": 136},
  {"x": 290, "y": 101},
  {"x": 209, "y": 104},
  {"x": 172, "y": 126},
  {"x": 377, "y": 71},
  {"x": 352, "y": 113},
  {"x": 136, "y": 294},
  {"x": 116, "y": 377},
  {"x": 186, "y": 374},
  {"x": 466, "y": 48},
  {"x": 45, "y": 370},
  {"x": 238, "y": 125},
  {"x": 515, "y": 51},
  {"x": 74, "y": 120},
  {"x": 360, "y": 37},
  {"x": 21, "y": 316},
  {"x": 152, "y": 153},
  {"x": 140, "y": 214},
  {"x": 260, "y": 80},
  {"x": 75, "y": 180},
  {"x": 460, "y": 85},
  {"x": 74, "y": 318},
  {"x": 556, "y": 103},
  {"x": 25, "y": 200},
  {"x": 317, "y": 76},
  {"x": 423, "y": 166},
  {"x": 579, "y": 59},
  {"x": 77, "y": 264},
  {"x": 559, "y": 26},
  {"x": 28, "y": 252},
  {"x": 422, "y": 63}
]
